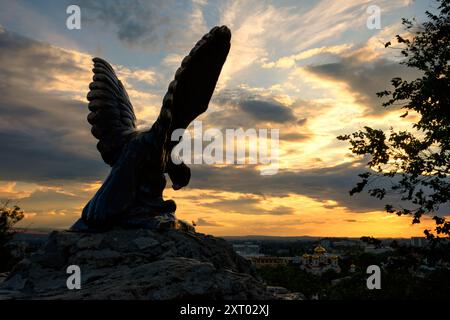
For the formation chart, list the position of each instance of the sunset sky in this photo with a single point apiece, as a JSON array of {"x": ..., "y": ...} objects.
[{"x": 309, "y": 68}]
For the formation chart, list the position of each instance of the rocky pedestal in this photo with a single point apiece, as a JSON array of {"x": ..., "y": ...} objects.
[{"x": 135, "y": 264}]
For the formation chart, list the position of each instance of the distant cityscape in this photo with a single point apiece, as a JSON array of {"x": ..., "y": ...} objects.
[
  {"x": 337, "y": 259},
  {"x": 319, "y": 254},
  {"x": 331, "y": 267}
]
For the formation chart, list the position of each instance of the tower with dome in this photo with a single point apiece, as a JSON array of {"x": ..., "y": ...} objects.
[{"x": 320, "y": 261}]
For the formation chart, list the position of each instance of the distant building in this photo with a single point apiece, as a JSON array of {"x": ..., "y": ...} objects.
[
  {"x": 346, "y": 243},
  {"x": 325, "y": 243},
  {"x": 377, "y": 250},
  {"x": 320, "y": 261},
  {"x": 266, "y": 261},
  {"x": 352, "y": 268},
  {"x": 418, "y": 242},
  {"x": 252, "y": 253},
  {"x": 247, "y": 250},
  {"x": 282, "y": 252},
  {"x": 296, "y": 260}
]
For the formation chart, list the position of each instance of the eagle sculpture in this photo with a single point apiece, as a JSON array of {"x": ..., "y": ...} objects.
[{"x": 132, "y": 194}]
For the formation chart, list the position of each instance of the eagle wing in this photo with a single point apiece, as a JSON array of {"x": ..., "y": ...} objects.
[
  {"x": 189, "y": 93},
  {"x": 112, "y": 116}
]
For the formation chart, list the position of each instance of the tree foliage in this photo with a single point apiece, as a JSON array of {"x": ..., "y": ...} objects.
[
  {"x": 372, "y": 241},
  {"x": 9, "y": 216},
  {"x": 416, "y": 162}
]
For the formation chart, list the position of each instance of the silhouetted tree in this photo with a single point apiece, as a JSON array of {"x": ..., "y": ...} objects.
[
  {"x": 371, "y": 240},
  {"x": 9, "y": 216},
  {"x": 416, "y": 162},
  {"x": 394, "y": 244}
]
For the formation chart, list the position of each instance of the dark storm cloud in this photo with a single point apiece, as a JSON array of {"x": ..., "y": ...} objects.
[
  {"x": 365, "y": 78},
  {"x": 302, "y": 122},
  {"x": 27, "y": 63},
  {"x": 246, "y": 205},
  {"x": 245, "y": 106},
  {"x": 43, "y": 137},
  {"x": 137, "y": 22},
  {"x": 26, "y": 157},
  {"x": 240, "y": 108},
  {"x": 295, "y": 136},
  {"x": 229, "y": 117},
  {"x": 267, "y": 111},
  {"x": 49, "y": 198},
  {"x": 233, "y": 117},
  {"x": 323, "y": 184},
  {"x": 207, "y": 223}
]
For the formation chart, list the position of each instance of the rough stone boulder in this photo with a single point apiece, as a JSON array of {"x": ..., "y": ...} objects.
[{"x": 135, "y": 264}]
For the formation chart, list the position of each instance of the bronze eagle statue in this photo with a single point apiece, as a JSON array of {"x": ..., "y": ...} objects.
[{"x": 132, "y": 194}]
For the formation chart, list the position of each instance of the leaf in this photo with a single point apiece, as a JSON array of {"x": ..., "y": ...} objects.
[
  {"x": 404, "y": 115},
  {"x": 401, "y": 40}
]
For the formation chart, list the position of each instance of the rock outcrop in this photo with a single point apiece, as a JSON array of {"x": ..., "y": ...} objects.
[{"x": 135, "y": 264}]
